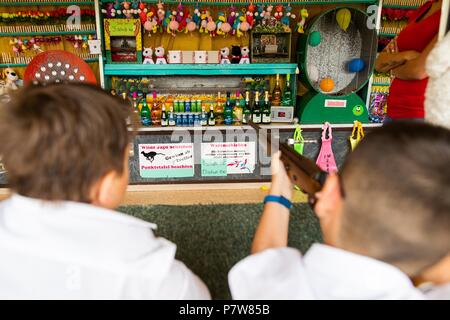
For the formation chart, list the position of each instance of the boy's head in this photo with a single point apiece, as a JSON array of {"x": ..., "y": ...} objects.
[
  {"x": 392, "y": 198},
  {"x": 66, "y": 142}
]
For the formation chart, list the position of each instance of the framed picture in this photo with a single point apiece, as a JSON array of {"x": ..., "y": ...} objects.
[
  {"x": 123, "y": 40},
  {"x": 270, "y": 47}
]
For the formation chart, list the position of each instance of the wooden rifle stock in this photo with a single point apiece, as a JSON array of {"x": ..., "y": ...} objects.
[{"x": 302, "y": 171}]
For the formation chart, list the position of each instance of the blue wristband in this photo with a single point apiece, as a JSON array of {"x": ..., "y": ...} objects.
[{"x": 278, "y": 199}]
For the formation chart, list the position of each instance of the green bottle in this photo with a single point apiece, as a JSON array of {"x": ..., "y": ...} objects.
[
  {"x": 287, "y": 94},
  {"x": 211, "y": 117},
  {"x": 247, "y": 113},
  {"x": 164, "y": 117},
  {"x": 266, "y": 113},
  {"x": 228, "y": 111},
  {"x": 146, "y": 116},
  {"x": 256, "y": 112}
]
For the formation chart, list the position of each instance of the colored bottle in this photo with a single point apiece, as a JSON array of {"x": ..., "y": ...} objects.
[
  {"x": 247, "y": 113},
  {"x": 204, "y": 117},
  {"x": 266, "y": 113},
  {"x": 146, "y": 117},
  {"x": 287, "y": 94},
  {"x": 164, "y": 117},
  {"x": 172, "y": 119},
  {"x": 276, "y": 94},
  {"x": 256, "y": 112},
  {"x": 228, "y": 111},
  {"x": 211, "y": 117},
  {"x": 237, "y": 109}
]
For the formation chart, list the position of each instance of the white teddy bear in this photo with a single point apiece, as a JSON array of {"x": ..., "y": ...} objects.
[
  {"x": 437, "y": 96},
  {"x": 148, "y": 56},
  {"x": 160, "y": 59},
  {"x": 245, "y": 55},
  {"x": 225, "y": 56}
]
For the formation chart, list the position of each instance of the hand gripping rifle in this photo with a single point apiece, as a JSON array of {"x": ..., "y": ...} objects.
[{"x": 302, "y": 171}]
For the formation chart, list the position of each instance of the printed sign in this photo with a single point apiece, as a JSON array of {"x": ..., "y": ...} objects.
[
  {"x": 335, "y": 103},
  {"x": 166, "y": 160},
  {"x": 223, "y": 158}
]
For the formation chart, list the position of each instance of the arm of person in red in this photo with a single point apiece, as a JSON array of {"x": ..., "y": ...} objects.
[
  {"x": 390, "y": 58},
  {"x": 414, "y": 69}
]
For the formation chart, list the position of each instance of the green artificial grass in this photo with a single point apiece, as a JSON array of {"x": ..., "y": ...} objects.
[{"x": 212, "y": 238}]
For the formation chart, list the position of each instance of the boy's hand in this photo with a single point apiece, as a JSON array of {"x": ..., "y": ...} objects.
[{"x": 281, "y": 184}]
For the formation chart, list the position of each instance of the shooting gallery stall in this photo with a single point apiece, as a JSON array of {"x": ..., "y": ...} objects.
[{"x": 195, "y": 72}]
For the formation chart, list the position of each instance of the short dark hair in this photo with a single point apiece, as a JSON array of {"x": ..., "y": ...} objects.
[
  {"x": 56, "y": 141},
  {"x": 397, "y": 196}
]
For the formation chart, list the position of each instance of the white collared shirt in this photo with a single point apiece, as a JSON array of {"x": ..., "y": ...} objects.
[
  {"x": 69, "y": 250},
  {"x": 323, "y": 272}
]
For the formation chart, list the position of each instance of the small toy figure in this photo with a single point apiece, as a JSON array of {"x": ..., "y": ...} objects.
[
  {"x": 286, "y": 19},
  {"x": 147, "y": 53},
  {"x": 301, "y": 24},
  {"x": 225, "y": 56},
  {"x": 160, "y": 59},
  {"x": 245, "y": 58},
  {"x": 10, "y": 81},
  {"x": 235, "y": 54},
  {"x": 278, "y": 12},
  {"x": 250, "y": 14}
]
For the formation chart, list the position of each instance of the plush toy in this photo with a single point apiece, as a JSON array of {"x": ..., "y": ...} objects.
[
  {"x": 147, "y": 53},
  {"x": 245, "y": 55},
  {"x": 143, "y": 12},
  {"x": 108, "y": 10},
  {"x": 301, "y": 24},
  {"x": 160, "y": 59},
  {"x": 233, "y": 14},
  {"x": 250, "y": 15},
  {"x": 220, "y": 20},
  {"x": 211, "y": 27},
  {"x": 235, "y": 54},
  {"x": 204, "y": 18},
  {"x": 160, "y": 13},
  {"x": 10, "y": 80},
  {"x": 278, "y": 12},
  {"x": 260, "y": 13},
  {"x": 225, "y": 56},
  {"x": 286, "y": 19},
  {"x": 196, "y": 17},
  {"x": 268, "y": 12}
]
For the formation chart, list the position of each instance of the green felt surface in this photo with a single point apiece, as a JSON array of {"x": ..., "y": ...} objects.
[{"x": 212, "y": 238}]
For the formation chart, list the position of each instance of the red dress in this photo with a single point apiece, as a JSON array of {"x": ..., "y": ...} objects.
[{"x": 406, "y": 97}]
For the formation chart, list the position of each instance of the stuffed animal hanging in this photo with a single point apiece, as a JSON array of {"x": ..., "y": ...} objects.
[
  {"x": 357, "y": 134},
  {"x": 326, "y": 160},
  {"x": 301, "y": 24}
]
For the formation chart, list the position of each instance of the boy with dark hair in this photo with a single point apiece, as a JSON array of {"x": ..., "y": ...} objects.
[
  {"x": 385, "y": 222},
  {"x": 65, "y": 148}
]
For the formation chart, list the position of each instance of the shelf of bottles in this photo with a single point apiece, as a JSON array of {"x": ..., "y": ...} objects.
[{"x": 156, "y": 110}]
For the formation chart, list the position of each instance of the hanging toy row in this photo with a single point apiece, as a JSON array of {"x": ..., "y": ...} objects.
[
  {"x": 40, "y": 17},
  {"x": 232, "y": 21},
  {"x": 89, "y": 27}
]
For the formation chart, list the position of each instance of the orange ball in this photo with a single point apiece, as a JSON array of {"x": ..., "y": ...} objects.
[{"x": 327, "y": 85}]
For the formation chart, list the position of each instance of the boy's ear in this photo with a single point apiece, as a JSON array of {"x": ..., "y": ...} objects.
[
  {"x": 109, "y": 190},
  {"x": 329, "y": 199}
]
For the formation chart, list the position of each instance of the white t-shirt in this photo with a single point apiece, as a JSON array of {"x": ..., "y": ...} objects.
[
  {"x": 70, "y": 250},
  {"x": 324, "y": 272}
]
